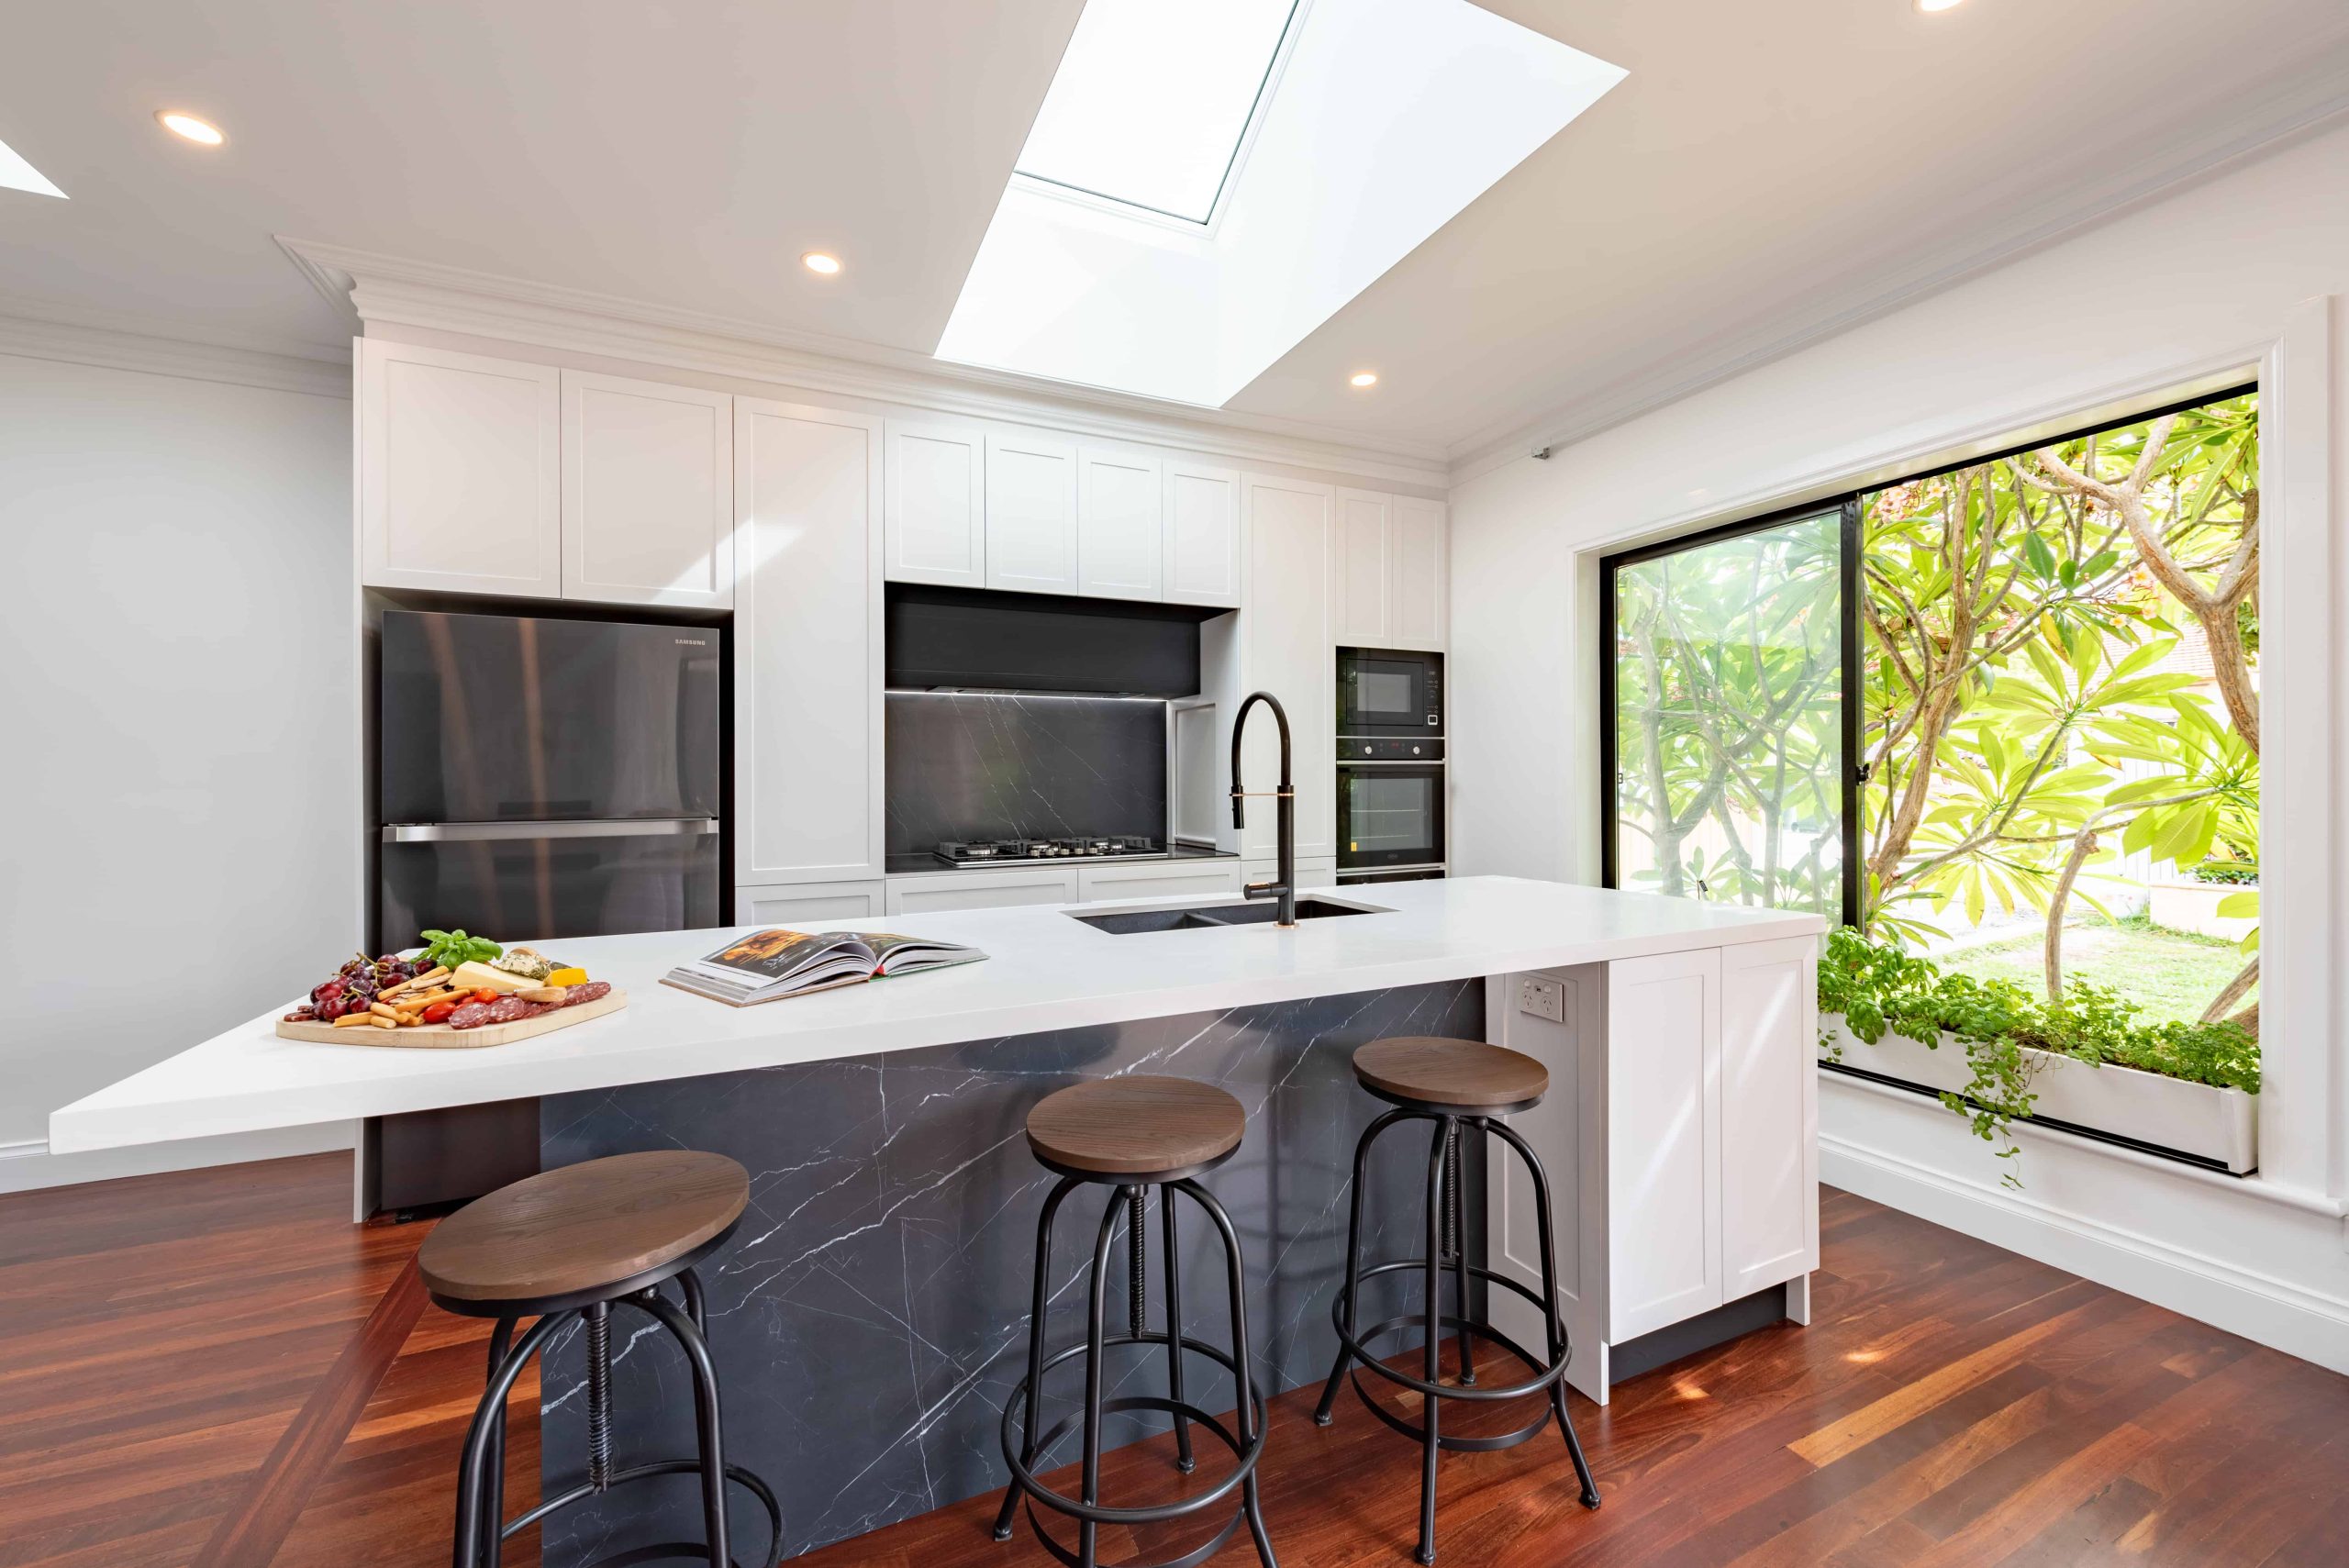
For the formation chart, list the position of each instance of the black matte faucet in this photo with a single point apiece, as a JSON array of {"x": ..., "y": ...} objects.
[{"x": 1284, "y": 886}]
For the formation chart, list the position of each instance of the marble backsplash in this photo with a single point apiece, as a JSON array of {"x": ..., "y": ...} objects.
[{"x": 870, "y": 1315}]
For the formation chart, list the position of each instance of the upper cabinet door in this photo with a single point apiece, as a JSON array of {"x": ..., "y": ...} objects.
[
  {"x": 1419, "y": 591},
  {"x": 808, "y": 640},
  {"x": 1362, "y": 569},
  {"x": 647, "y": 493},
  {"x": 459, "y": 489},
  {"x": 1119, "y": 547},
  {"x": 1286, "y": 643},
  {"x": 937, "y": 504},
  {"x": 1201, "y": 534},
  {"x": 1031, "y": 513}
]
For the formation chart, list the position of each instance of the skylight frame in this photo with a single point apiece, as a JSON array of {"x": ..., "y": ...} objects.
[{"x": 1078, "y": 195}]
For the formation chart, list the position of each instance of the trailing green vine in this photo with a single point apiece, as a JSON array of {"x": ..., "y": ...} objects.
[{"x": 1879, "y": 989}]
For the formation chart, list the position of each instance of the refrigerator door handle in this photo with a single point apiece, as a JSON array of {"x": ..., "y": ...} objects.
[{"x": 607, "y": 827}]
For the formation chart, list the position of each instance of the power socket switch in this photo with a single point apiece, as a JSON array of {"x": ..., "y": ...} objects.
[{"x": 1542, "y": 996}]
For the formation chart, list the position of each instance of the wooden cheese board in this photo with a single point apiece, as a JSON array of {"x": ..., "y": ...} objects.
[{"x": 441, "y": 1037}]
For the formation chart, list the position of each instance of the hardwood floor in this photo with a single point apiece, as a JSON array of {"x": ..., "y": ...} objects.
[{"x": 217, "y": 1368}]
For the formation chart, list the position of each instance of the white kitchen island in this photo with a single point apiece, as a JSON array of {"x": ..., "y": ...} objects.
[{"x": 891, "y": 1188}]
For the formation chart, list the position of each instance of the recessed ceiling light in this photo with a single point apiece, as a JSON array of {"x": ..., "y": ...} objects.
[
  {"x": 820, "y": 261},
  {"x": 1929, "y": 7},
  {"x": 1362, "y": 378},
  {"x": 188, "y": 125}
]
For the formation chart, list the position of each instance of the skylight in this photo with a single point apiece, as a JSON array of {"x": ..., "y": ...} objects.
[
  {"x": 1152, "y": 101},
  {"x": 15, "y": 174}
]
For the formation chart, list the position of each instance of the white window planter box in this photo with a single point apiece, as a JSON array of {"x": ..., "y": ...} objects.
[{"x": 2211, "y": 1125}]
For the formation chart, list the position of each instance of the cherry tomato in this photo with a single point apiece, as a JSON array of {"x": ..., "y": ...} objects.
[
  {"x": 440, "y": 1011},
  {"x": 487, "y": 994}
]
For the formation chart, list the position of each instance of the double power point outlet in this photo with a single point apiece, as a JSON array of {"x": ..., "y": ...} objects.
[{"x": 1542, "y": 996}]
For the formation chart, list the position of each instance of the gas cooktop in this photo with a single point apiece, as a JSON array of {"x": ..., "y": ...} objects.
[{"x": 989, "y": 851}]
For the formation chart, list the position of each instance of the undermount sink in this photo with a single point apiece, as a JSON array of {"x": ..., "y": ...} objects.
[{"x": 1203, "y": 918}]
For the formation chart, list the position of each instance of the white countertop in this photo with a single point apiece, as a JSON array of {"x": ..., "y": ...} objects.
[{"x": 1045, "y": 972}]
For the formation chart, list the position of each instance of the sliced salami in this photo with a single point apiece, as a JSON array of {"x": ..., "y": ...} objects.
[
  {"x": 471, "y": 1015},
  {"x": 508, "y": 1009},
  {"x": 587, "y": 991}
]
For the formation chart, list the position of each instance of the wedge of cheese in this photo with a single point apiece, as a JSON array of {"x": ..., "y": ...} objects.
[{"x": 481, "y": 976}]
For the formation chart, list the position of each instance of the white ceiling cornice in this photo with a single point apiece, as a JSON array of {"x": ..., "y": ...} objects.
[
  {"x": 404, "y": 291},
  {"x": 39, "y": 331},
  {"x": 2263, "y": 128}
]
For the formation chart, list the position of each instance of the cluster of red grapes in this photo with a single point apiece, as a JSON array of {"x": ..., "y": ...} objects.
[{"x": 355, "y": 985}]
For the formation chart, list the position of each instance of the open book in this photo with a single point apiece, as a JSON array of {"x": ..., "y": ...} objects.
[{"x": 773, "y": 963}]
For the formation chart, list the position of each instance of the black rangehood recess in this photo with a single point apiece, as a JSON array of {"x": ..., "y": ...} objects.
[{"x": 974, "y": 640}]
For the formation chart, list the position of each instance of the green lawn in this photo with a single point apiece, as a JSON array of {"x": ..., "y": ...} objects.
[{"x": 2171, "y": 974}]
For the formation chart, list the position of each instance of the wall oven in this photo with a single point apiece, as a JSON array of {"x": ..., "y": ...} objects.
[
  {"x": 1387, "y": 695},
  {"x": 1390, "y": 816}
]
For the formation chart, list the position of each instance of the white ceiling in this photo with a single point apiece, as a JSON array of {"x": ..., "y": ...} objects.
[{"x": 1767, "y": 172}]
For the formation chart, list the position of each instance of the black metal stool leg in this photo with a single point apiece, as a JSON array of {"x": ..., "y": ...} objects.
[
  {"x": 1558, "y": 1350},
  {"x": 473, "y": 1469},
  {"x": 1456, "y": 1229},
  {"x": 1429, "y": 1418},
  {"x": 1353, "y": 1265},
  {"x": 1042, "y": 1301},
  {"x": 1096, "y": 1332},
  {"x": 1184, "y": 1461},
  {"x": 1244, "y": 1384},
  {"x": 501, "y": 1339},
  {"x": 707, "y": 1421}
]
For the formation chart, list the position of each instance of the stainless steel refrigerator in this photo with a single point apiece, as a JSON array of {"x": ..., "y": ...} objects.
[{"x": 538, "y": 779}]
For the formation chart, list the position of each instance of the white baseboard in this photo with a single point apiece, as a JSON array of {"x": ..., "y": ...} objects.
[
  {"x": 2312, "y": 1325},
  {"x": 29, "y": 1165}
]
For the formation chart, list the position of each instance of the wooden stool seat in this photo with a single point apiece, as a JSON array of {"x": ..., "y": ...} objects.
[
  {"x": 583, "y": 1228},
  {"x": 1133, "y": 1127},
  {"x": 1456, "y": 1075}
]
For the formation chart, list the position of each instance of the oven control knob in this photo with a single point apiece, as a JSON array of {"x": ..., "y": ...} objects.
[
  {"x": 1415, "y": 751},
  {"x": 1366, "y": 751}
]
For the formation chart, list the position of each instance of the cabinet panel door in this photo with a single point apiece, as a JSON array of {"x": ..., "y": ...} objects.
[
  {"x": 1032, "y": 514},
  {"x": 1664, "y": 1207},
  {"x": 1769, "y": 1114},
  {"x": 1361, "y": 568},
  {"x": 788, "y": 904},
  {"x": 647, "y": 493},
  {"x": 1096, "y": 884},
  {"x": 980, "y": 890},
  {"x": 1287, "y": 652},
  {"x": 937, "y": 504},
  {"x": 807, "y": 644},
  {"x": 1119, "y": 547},
  {"x": 1419, "y": 591},
  {"x": 460, "y": 485},
  {"x": 1202, "y": 534}
]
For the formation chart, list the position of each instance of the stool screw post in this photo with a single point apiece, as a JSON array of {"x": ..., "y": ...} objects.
[
  {"x": 1137, "y": 1282},
  {"x": 599, "y": 1395}
]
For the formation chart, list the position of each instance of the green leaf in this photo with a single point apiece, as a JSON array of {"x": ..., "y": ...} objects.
[
  {"x": 2240, "y": 906},
  {"x": 2041, "y": 558}
]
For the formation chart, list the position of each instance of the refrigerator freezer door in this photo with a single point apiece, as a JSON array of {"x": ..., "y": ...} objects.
[
  {"x": 524, "y": 889},
  {"x": 490, "y": 718}
]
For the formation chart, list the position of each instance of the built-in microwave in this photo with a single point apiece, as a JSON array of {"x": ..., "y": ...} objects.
[
  {"x": 1387, "y": 694},
  {"x": 1390, "y": 816}
]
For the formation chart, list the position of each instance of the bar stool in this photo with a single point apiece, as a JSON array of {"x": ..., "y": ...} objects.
[
  {"x": 567, "y": 1246},
  {"x": 1132, "y": 1134},
  {"x": 1454, "y": 1084}
]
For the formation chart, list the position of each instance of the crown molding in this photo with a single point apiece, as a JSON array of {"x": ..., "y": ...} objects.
[
  {"x": 2264, "y": 130},
  {"x": 429, "y": 295},
  {"x": 38, "y": 331}
]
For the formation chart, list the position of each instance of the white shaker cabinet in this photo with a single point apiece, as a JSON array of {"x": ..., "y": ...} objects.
[
  {"x": 1769, "y": 1078},
  {"x": 647, "y": 493},
  {"x": 1362, "y": 568},
  {"x": 1031, "y": 535},
  {"x": 980, "y": 890},
  {"x": 1286, "y": 650},
  {"x": 937, "y": 503},
  {"x": 1664, "y": 1145},
  {"x": 807, "y": 645},
  {"x": 460, "y": 482},
  {"x": 1418, "y": 590},
  {"x": 787, "y": 903},
  {"x": 1119, "y": 882},
  {"x": 1201, "y": 534},
  {"x": 1120, "y": 545}
]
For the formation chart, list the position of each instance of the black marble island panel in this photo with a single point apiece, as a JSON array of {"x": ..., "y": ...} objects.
[{"x": 869, "y": 1317}]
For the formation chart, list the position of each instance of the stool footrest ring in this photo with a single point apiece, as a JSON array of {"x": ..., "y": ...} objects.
[
  {"x": 1354, "y": 1346},
  {"x": 734, "y": 1472}
]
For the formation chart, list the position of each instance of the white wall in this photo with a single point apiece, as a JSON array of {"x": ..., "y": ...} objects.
[
  {"x": 180, "y": 784},
  {"x": 2177, "y": 295}
]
